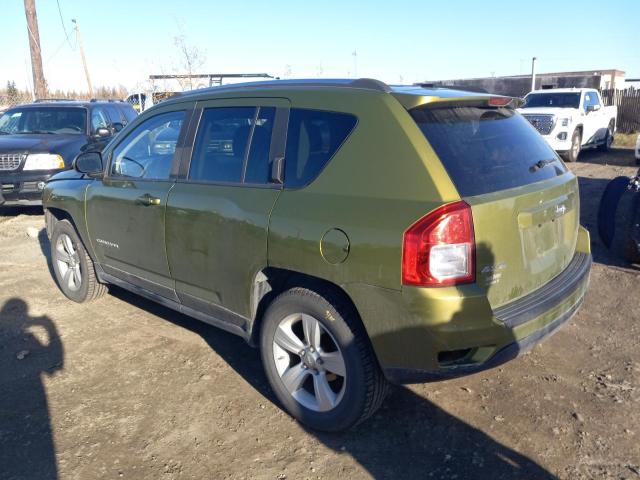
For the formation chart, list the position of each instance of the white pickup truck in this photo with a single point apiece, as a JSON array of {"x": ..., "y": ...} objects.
[{"x": 571, "y": 119}]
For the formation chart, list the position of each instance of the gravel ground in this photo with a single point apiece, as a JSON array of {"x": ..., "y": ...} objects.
[{"x": 124, "y": 388}]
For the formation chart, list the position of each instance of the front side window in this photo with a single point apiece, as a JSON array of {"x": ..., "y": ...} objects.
[
  {"x": 313, "y": 137},
  {"x": 34, "y": 120},
  {"x": 98, "y": 120},
  {"x": 147, "y": 152},
  {"x": 115, "y": 115},
  {"x": 232, "y": 145},
  {"x": 128, "y": 113}
]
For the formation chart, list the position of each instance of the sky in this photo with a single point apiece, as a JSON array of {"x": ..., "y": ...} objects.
[{"x": 397, "y": 42}]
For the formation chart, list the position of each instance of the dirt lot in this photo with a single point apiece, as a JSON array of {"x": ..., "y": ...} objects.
[{"x": 123, "y": 388}]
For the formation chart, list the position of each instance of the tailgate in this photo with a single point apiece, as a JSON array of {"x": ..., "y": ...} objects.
[
  {"x": 524, "y": 236},
  {"x": 524, "y": 201}
]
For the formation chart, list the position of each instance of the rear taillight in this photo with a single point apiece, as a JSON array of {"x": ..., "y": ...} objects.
[{"x": 439, "y": 249}]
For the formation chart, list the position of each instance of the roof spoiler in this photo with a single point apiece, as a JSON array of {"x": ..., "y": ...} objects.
[{"x": 497, "y": 101}]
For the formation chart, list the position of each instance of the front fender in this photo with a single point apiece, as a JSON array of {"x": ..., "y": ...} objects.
[{"x": 65, "y": 199}]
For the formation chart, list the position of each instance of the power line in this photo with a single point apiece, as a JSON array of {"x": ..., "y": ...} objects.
[{"x": 64, "y": 29}]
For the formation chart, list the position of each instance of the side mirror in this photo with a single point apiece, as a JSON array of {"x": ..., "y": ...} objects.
[
  {"x": 593, "y": 108},
  {"x": 89, "y": 163},
  {"x": 103, "y": 132},
  {"x": 117, "y": 126}
]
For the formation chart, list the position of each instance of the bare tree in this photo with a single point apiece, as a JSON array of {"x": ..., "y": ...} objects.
[{"x": 191, "y": 59}]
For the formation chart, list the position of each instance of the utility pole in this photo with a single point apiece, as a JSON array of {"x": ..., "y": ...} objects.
[
  {"x": 355, "y": 64},
  {"x": 533, "y": 73},
  {"x": 39, "y": 84},
  {"x": 84, "y": 60}
]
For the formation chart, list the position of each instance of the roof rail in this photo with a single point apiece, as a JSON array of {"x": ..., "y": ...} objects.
[
  {"x": 44, "y": 100},
  {"x": 363, "y": 83},
  {"x": 110, "y": 100}
]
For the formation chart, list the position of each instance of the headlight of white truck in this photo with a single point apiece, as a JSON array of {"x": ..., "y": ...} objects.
[
  {"x": 565, "y": 121},
  {"x": 43, "y": 161}
]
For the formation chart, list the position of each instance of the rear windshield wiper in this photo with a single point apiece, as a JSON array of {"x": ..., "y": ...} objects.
[{"x": 541, "y": 164}]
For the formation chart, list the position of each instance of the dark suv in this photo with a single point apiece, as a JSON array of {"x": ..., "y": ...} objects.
[{"x": 40, "y": 139}]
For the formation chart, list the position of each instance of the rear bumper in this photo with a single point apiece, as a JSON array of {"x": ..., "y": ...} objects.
[{"x": 528, "y": 320}]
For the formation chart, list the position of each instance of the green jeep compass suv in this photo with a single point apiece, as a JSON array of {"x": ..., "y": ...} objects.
[{"x": 357, "y": 233}]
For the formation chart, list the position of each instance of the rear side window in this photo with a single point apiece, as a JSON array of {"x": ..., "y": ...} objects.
[
  {"x": 313, "y": 138},
  {"x": 232, "y": 145},
  {"x": 258, "y": 166},
  {"x": 485, "y": 150},
  {"x": 221, "y": 144}
]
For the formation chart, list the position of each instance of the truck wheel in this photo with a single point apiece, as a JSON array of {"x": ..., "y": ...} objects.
[
  {"x": 632, "y": 235},
  {"x": 73, "y": 268},
  {"x": 319, "y": 361},
  {"x": 576, "y": 141},
  {"x": 608, "y": 140}
]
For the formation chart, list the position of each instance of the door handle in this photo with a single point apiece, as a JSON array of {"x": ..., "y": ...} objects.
[{"x": 148, "y": 200}]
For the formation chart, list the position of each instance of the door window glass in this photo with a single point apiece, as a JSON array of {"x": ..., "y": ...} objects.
[
  {"x": 221, "y": 144},
  {"x": 98, "y": 119},
  {"x": 258, "y": 168},
  {"x": 147, "y": 152},
  {"x": 115, "y": 115}
]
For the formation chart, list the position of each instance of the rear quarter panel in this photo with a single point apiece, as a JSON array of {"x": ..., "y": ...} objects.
[{"x": 382, "y": 179}]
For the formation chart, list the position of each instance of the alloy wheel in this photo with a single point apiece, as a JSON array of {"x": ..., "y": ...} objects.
[
  {"x": 68, "y": 262},
  {"x": 309, "y": 362}
]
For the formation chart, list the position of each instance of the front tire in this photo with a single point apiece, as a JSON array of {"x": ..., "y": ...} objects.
[
  {"x": 576, "y": 141},
  {"x": 73, "y": 268},
  {"x": 319, "y": 361}
]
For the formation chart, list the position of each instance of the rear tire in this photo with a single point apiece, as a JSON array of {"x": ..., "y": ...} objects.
[
  {"x": 576, "y": 141},
  {"x": 632, "y": 233},
  {"x": 73, "y": 268},
  {"x": 608, "y": 140},
  {"x": 319, "y": 361}
]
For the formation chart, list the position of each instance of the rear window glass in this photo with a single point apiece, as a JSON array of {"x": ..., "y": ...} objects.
[
  {"x": 487, "y": 149},
  {"x": 313, "y": 138}
]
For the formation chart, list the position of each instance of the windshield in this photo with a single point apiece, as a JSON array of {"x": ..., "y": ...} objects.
[
  {"x": 558, "y": 100},
  {"x": 52, "y": 120},
  {"x": 487, "y": 149}
]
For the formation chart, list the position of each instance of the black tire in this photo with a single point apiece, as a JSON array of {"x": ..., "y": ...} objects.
[
  {"x": 608, "y": 140},
  {"x": 576, "y": 141},
  {"x": 632, "y": 233},
  {"x": 364, "y": 384},
  {"x": 88, "y": 288}
]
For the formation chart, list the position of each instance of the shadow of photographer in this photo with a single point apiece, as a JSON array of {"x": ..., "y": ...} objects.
[{"x": 30, "y": 348}]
